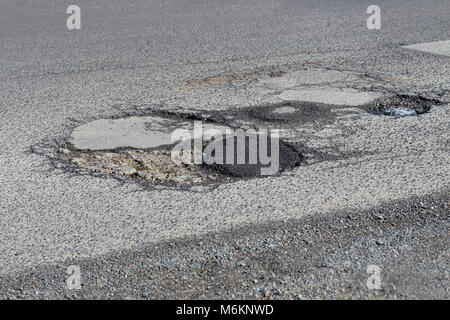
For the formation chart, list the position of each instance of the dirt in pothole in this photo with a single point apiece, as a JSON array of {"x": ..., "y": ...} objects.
[{"x": 147, "y": 166}]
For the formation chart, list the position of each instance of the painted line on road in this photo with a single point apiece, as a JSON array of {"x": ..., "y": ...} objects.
[{"x": 438, "y": 47}]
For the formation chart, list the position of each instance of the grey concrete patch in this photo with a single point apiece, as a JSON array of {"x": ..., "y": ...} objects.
[
  {"x": 308, "y": 77},
  {"x": 438, "y": 47},
  {"x": 284, "y": 110},
  {"x": 328, "y": 95},
  {"x": 133, "y": 132}
]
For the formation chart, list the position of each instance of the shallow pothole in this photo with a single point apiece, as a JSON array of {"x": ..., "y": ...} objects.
[
  {"x": 290, "y": 112},
  {"x": 401, "y": 106}
]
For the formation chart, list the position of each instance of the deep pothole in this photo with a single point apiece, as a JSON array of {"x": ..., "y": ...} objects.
[{"x": 401, "y": 106}]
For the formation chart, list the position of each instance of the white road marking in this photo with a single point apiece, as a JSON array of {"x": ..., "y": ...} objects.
[{"x": 438, "y": 47}]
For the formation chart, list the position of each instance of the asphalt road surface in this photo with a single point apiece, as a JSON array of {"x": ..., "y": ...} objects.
[{"x": 373, "y": 189}]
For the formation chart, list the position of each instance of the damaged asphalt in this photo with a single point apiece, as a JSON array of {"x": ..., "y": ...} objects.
[{"x": 231, "y": 241}]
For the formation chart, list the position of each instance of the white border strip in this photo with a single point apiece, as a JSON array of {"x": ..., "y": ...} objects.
[{"x": 438, "y": 47}]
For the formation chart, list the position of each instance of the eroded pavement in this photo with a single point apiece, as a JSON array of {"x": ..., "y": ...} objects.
[
  {"x": 86, "y": 178},
  {"x": 324, "y": 116},
  {"x": 364, "y": 140}
]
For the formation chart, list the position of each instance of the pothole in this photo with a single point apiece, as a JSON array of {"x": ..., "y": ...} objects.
[
  {"x": 261, "y": 155},
  {"x": 401, "y": 106},
  {"x": 143, "y": 149}
]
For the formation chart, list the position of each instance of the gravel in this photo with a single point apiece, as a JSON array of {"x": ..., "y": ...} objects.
[
  {"x": 155, "y": 166},
  {"x": 320, "y": 257}
]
